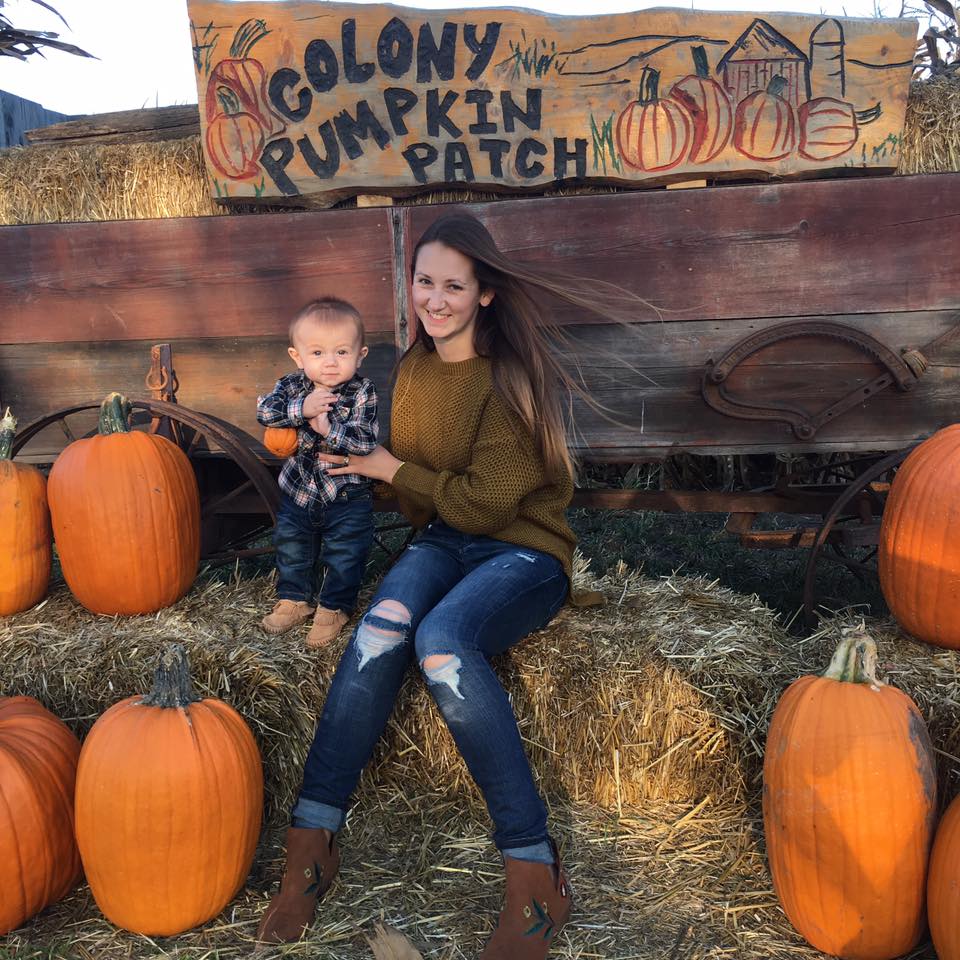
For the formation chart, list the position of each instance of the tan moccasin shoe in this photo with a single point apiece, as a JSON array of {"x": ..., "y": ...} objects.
[
  {"x": 326, "y": 625},
  {"x": 286, "y": 615}
]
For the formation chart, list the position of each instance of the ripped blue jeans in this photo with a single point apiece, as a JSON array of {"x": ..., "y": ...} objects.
[{"x": 450, "y": 602}]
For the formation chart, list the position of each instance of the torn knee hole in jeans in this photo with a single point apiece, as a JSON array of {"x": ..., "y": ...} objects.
[
  {"x": 379, "y": 633},
  {"x": 443, "y": 668}
]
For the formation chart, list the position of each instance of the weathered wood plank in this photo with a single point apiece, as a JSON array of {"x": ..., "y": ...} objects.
[
  {"x": 332, "y": 99},
  {"x": 122, "y": 126},
  {"x": 821, "y": 248},
  {"x": 824, "y": 247},
  {"x": 191, "y": 277},
  {"x": 219, "y": 377}
]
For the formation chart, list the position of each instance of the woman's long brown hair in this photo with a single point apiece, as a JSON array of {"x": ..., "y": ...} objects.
[{"x": 513, "y": 332}]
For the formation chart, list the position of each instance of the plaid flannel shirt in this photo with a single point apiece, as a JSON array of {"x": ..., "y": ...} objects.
[{"x": 353, "y": 429}]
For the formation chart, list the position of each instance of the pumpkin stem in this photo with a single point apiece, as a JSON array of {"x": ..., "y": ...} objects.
[
  {"x": 777, "y": 85},
  {"x": 700, "y": 61},
  {"x": 172, "y": 684},
  {"x": 115, "y": 414},
  {"x": 855, "y": 659},
  {"x": 649, "y": 85},
  {"x": 8, "y": 427}
]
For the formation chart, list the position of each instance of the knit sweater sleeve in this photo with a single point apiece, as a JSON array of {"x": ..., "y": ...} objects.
[{"x": 484, "y": 497}]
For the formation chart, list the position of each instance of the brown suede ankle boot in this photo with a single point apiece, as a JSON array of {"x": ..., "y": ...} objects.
[
  {"x": 313, "y": 859},
  {"x": 536, "y": 907}
]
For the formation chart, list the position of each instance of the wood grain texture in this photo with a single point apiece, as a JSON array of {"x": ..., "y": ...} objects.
[{"x": 335, "y": 99}]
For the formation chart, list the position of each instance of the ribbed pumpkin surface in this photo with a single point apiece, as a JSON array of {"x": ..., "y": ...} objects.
[
  {"x": 169, "y": 802},
  {"x": 943, "y": 885},
  {"x": 126, "y": 520},
  {"x": 39, "y": 862},
  {"x": 25, "y": 538},
  {"x": 919, "y": 554},
  {"x": 849, "y": 801},
  {"x": 281, "y": 441}
]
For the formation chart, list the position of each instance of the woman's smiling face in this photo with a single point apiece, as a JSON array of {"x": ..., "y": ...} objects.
[{"x": 447, "y": 298}]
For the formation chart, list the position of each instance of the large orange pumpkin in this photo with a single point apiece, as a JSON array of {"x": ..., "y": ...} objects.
[
  {"x": 25, "y": 541},
  {"x": 764, "y": 126},
  {"x": 39, "y": 862},
  {"x": 919, "y": 554},
  {"x": 126, "y": 517},
  {"x": 653, "y": 134},
  {"x": 849, "y": 805},
  {"x": 169, "y": 799},
  {"x": 943, "y": 885},
  {"x": 280, "y": 441},
  {"x": 709, "y": 107}
]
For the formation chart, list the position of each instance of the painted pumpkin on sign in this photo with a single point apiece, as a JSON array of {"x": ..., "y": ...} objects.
[
  {"x": 764, "y": 126},
  {"x": 39, "y": 862},
  {"x": 709, "y": 108},
  {"x": 849, "y": 807},
  {"x": 653, "y": 134},
  {"x": 828, "y": 128},
  {"x": 919, "y": 551},
  {"x": 191, "y": 771},
  {"x": 25, "y": 538}
]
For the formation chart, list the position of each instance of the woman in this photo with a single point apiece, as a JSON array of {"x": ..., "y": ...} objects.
[{"x": 480, "y": 464}]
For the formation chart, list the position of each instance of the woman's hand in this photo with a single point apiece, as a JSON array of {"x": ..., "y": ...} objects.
[{"x": 379, "y": 464}]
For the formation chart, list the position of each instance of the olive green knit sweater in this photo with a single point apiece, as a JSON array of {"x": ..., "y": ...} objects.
[{"x": 469, "y": 461}]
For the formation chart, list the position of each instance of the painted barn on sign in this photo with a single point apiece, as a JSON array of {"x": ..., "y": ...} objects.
[{"x": 758, "y": 55}]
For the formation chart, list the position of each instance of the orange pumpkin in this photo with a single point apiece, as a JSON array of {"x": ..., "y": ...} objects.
[
  {"x": 709, "y": 107},
  {"x": 169, "y": 799},
  {"x": 764, "y": 127},
  {"x": 828, "y": 128},
  {"x": 126, "y": 517},
  {"x": 25, "y": 539},
  {"x": 653, "y": 134},
  {"x": 919, "y": 552},
  {"x": 849, "y": 806},
  {"x": 280, "y": 441},
  {"x": 39, "y": 862},
  {"x": 943, "y": 885}
]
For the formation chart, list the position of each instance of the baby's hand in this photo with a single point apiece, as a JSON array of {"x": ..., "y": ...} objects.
[
  {"x": 320, "y": 424},
  {"x": 318, "y": 402}
]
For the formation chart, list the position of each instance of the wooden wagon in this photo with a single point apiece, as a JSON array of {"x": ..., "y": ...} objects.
[{"x": 817, "y": 317}]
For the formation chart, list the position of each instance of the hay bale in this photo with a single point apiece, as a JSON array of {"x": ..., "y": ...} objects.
[
  {"x": 120, "y": 181},
  {"x": 677, "y": 674},
  {"x": 606, "y": 720},
  {"x": 931, "y": 133}
]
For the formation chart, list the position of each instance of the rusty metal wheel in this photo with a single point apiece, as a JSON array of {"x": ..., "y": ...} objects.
[
  {"x": 238, "y": 492},
  {"x": 879, "y": 468}
]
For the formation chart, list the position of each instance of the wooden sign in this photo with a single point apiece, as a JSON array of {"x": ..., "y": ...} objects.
[{"x": 333, "y": 99}]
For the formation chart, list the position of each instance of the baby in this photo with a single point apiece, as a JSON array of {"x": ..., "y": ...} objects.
[{"x": 321, "y": 517}]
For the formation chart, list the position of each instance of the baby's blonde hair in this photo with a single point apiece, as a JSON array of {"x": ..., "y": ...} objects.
[{"x": 328, "y": 308}]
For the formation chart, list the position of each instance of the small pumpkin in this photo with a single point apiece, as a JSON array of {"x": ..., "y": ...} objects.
[
  {"x": 919, "y": 551},
  {"x": 943, "y": 885},
  {"x": 234, "y": 143},
  {"x": 653, "y": 134},
  {"x": 849, "y": 806},
  {"x": 764, "y": 126},
  {"x": 25, "y": 538},
  {"x": 709, "y": 108},
  {"x": 126, "y": 517},
  {"x": 280, "y": 441},
  {"x": 168, "y": 805},
  {"x": 39, "y": 862},
  {"x": 828, "y": 128}
]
